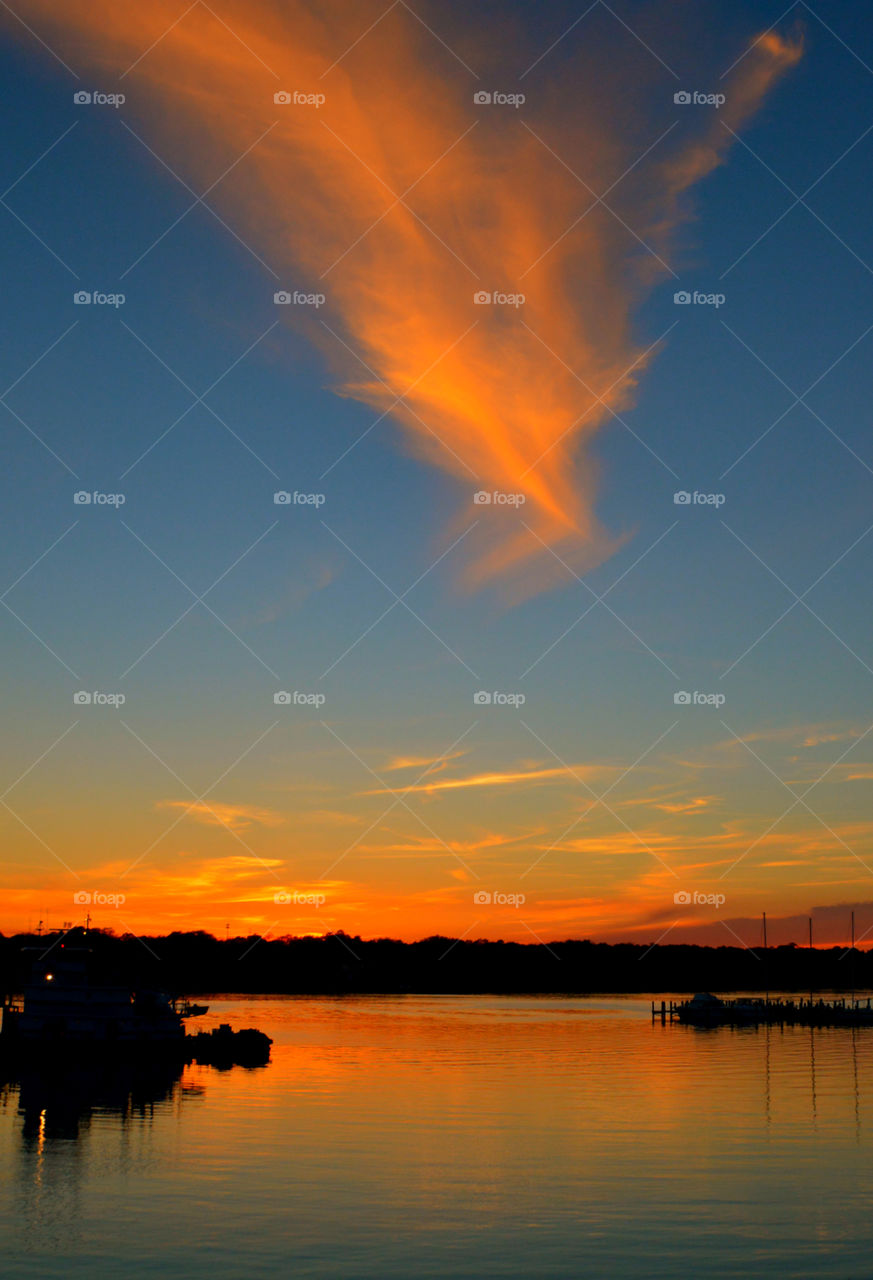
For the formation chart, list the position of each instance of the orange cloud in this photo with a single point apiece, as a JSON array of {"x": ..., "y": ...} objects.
[
  {"x": 432, "y": 764},
  {"x": 235, "y": 816},
  {"x": 204, "y": 874},
  {"x": 399, "y": 199},
  {"x": 508, "y": 778},
  {"x": 694, "y": 805},
  {"x": 428, "y": 844}
]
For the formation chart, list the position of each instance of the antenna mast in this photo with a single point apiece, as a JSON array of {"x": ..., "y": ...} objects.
[
  {"x": 809, "y": 921},
  {"x": 853, "y": 957}
]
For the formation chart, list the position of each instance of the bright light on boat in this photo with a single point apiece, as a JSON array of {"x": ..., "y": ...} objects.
[{"x": 49, "y": 976}]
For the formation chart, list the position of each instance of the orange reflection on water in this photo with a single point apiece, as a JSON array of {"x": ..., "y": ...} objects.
[{"x": 464, "y": 1135}]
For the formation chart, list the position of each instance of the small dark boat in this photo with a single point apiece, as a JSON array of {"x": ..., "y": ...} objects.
[
  {"x": 224, "y": 1047},
  {"x": 188, "y": 1010}
]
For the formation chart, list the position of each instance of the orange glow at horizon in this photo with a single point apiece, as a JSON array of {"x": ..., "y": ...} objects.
[{"x": 622, "y": 895}]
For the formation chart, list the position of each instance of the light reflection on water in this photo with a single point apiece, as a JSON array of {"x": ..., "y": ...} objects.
[{"x": 450, "y": 1136}]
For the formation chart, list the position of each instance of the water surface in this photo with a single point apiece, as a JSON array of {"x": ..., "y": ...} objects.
[{"x": 457, "y": 1137}]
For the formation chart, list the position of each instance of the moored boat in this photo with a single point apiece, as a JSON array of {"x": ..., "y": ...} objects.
[
  {"x": 707, "y": 1010},
  {"x": 60, "y": 1006},
  {"x": 62, "y": 1011}
]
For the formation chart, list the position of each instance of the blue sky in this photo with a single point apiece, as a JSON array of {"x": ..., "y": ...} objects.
[{"x": 697, "y": 585}]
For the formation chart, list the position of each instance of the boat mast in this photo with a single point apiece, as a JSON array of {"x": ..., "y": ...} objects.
[
  {"x": 766, "y": 973},
  {"x": 809, "y": 921},
  {"x": 853, "y": 958}
]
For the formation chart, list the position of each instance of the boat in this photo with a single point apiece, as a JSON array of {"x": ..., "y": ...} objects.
[
  {"x": 188, "y": 1010},
  {"x": 223, "y": 1047},
  {"x": 707, "y": 1010},
  {"x": 60, "y": 1006},
  {"x": 62, "y": 1011}
]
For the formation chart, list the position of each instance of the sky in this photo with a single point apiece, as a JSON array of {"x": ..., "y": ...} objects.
[{"x": 450, "y": 514}]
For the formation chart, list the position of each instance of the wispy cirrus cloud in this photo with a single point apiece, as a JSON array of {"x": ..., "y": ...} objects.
[
  {"x": 694, "y": 804},
  {"x": 403, "y": 199},
  {"x": 504, "y": 778},
  {"x": 418, "y": 845},
  {"x": 236, "y": 816},
  {"x": 803, "y": 736},
  {"x": 430, "y": 763}
]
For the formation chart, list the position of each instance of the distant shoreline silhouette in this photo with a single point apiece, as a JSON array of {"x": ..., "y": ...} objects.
[{"x": 196, "y": 962}]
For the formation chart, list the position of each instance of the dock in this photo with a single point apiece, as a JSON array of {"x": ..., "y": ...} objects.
[{"x": 711, "y": 1011}]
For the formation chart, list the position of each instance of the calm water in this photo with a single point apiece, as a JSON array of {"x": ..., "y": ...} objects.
[{"x": 456, "y": 1137}]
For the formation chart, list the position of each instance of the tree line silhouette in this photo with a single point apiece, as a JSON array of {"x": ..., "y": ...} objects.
[{"x": 339, "y": 963}]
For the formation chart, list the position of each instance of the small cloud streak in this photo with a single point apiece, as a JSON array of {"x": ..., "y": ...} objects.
[
  {"x": 431, "y": 764},
  {"x": 695, "y": 804},
  {"x": 509, "y": 778},
  {"x": 237, "y": 817},
  {"x": 444, "y": 848}
]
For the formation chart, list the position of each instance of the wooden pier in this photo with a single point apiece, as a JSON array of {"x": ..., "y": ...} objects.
[{"x": 711, "y": 1011}]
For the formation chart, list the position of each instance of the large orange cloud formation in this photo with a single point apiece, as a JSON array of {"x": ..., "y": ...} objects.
[{"x": 400, "y": 198}]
